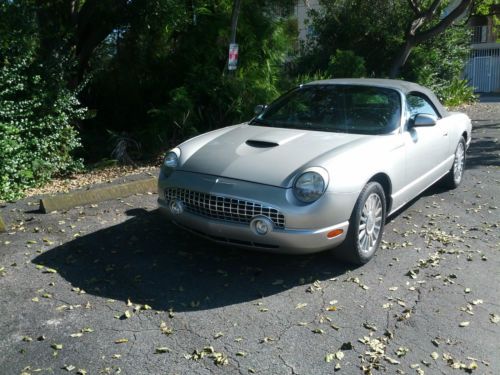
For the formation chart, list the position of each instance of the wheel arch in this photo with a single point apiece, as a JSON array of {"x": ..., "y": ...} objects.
[
  {"x": 465, "y": 135},
  {"x": 384, "y": 180}
]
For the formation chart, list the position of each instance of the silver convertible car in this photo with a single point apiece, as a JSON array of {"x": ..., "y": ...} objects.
[{"x": 322, "y": 166}]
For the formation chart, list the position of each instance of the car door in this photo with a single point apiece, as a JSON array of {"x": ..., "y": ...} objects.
[{"x": 426, "y": 146}]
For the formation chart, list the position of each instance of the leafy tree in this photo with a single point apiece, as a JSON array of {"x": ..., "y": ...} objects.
[
  {"x": 427, "y": 21},
  {"x": 380, "y": 31}
]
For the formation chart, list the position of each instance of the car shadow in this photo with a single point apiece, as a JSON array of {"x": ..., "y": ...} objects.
[{"x": 150, "y": 261}]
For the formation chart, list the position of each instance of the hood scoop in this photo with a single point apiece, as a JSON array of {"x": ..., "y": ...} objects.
[
  {"x": 273, "y": 138},
  {"x": 261, "y": 144}
]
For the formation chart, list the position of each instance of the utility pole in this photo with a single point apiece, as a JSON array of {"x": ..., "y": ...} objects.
[{"x": 233, "y": 47}]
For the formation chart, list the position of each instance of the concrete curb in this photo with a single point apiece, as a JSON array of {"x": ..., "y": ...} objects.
[
  {"x": 80, "y": 198},
  {"x": 3, "y": 227}
]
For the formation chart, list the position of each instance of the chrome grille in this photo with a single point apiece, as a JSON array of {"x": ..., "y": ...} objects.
[{"x": 223, "y": 208}]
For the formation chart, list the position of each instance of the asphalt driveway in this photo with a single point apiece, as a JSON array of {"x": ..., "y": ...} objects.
[{"x": 114, "y": 288}]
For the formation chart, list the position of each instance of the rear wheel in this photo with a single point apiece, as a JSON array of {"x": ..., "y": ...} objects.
[
  {"x": 456, "y": 173},
  {"x": 366, "y": 226}
]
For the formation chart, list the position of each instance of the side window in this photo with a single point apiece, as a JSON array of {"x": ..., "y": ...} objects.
[{"x": 418, "y": 104}]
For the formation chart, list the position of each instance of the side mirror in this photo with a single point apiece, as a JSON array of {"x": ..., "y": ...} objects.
[
  {"x": 423, "y": 119},
  {"x": 259, "y": 109}
]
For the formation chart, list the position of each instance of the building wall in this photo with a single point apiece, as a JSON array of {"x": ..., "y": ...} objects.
[{"x": 301, "y": 9}]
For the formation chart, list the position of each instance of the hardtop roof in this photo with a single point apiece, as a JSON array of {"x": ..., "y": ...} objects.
[{"x": 404, "y": 86}]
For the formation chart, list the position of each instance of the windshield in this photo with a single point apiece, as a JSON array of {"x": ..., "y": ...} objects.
[{"x": 335, "y": 108}]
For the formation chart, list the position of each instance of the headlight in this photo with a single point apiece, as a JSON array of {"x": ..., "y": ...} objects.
[
  {"x": 309, "y": 186},
  {"x": 172, "y": 159}
]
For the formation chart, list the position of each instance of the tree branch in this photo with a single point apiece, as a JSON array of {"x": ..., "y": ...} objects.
[
  {"x": 444, "y": 23},
  {"x": 414, "y": 6}
]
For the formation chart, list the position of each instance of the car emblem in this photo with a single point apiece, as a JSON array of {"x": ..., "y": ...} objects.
[{"x": 219, "y": 181}]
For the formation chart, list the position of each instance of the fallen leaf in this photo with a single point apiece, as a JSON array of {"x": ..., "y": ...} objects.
[
  {"x": 464, "y": 324},
  {"x": 162, "y": 349},
  {"x": 329, "y": 357},
  {"x": 391, "y": 360},
  {"x": 69, "y": 368},
  {"x": 166, "y": 330},
  {"x": 402, "y": 351},
  {"x": 121, "y": 341},
  {"x": 494, "y": 318},
  {"x": 346, "y": 346},
  {"x": 371, "y": 327},
  {"x": 301, "y": 305},
  {"x": 339, "y": 355},
  {"x": 56, "y": 346}
]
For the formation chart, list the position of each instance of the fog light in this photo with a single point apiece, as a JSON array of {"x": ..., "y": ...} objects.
[
  {"x": 176, "y": 207},
  {"x": 261, "y": 225}
]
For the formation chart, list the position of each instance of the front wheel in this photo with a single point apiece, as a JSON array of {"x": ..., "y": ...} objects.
[
  {"x": 456, "y": 173},
  {"x": 366, "y": 226}
]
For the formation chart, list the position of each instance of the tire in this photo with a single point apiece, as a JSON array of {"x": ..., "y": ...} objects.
[
  {"x": 366, "y": 226},
  {"x": 454, "y": 177}
]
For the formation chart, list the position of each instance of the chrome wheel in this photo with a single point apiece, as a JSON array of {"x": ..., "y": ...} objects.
[
  {"x": 458, "y": 165},
  {"x": 366, "y": 225},
  {"x": 370, "y": 223}
]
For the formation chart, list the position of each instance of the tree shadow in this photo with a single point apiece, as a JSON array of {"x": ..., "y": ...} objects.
[
  {"x": 150, "y": 261},
  {"x": 483, "y": 150}
]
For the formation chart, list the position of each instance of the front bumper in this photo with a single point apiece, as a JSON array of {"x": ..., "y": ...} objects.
[
  {"x": 293, "y": 241},
  {"x": 306, "y": 227}
]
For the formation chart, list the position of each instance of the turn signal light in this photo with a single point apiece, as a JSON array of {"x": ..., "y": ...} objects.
[{"x": 334, "y": 233}]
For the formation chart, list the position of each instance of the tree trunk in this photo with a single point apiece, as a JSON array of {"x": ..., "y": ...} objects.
[{"x": 401, "y": 57}]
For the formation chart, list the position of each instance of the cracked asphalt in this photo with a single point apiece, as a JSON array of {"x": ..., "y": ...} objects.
[{"x": 114, "y": 288}]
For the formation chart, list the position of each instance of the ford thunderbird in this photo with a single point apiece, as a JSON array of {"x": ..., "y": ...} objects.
[{"x": 322, "y": 166}]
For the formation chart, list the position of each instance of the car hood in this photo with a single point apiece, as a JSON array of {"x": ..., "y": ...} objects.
[{"x": 260, "y": 154}]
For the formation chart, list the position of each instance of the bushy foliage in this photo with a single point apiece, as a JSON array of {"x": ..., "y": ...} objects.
[
  {"x": 360, "y": 38},
  {"x": 37, "y": 138},
  {"x": 439, "y": 65},
  {"x": 455, "y": 93},
  {"x": 371, "y": 30},
  {"x": 346, "y": 64}
]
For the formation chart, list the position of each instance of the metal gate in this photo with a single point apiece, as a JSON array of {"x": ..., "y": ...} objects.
[{"x": 483, "y": 70}]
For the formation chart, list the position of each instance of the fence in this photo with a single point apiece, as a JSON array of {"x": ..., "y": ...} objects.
[{"x": 483, "y": 69}]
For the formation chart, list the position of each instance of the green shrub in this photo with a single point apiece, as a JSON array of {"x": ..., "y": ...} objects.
[
  {"x": 37, "y": 138},
  {"x": 346, "y": 64},
  {"x": 454, "y": 93}
]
